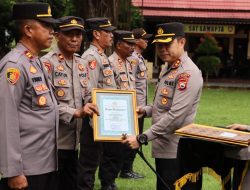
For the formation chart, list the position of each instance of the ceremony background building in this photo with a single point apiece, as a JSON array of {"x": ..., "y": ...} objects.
[{"x": 227, "y": 20}]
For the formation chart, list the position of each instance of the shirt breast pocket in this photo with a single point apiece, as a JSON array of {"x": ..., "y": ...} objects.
[
  {"x": 62, "y": 91},
  {"x": 165, "y": 97},
  {"x": 41, "y": 99}
]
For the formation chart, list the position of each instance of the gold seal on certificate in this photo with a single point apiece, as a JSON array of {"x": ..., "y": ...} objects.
[{"x": 117, "y": 114}]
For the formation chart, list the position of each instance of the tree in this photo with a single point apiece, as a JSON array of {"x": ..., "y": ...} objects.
[{"x": 207, "y": 60}]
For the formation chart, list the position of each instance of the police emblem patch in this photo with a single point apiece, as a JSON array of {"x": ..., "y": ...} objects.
[
  {"x": 182, "y": 84},
  {"x": 92, "y": 64},
  {"x": 42, "y": 101},
  {"x": 12, "y": 75},
  {"x": 47, "y": 66},
  {"x": 33, "y": 70}
]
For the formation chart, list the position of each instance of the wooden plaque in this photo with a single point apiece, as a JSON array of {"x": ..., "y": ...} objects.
[{"x": 216, "y": 134}]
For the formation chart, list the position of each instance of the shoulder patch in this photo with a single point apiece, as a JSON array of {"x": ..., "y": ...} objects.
[{"x": 12, "y": 75}]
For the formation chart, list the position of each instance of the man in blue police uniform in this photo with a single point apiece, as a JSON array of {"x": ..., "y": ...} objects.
[
  {"x": 29, "y": 114},
  {"x": 175, "y": 103},
  {"x": 68, "y": 73},
  {"x": 94, "y": 154},
  {"x": 139, "y": 71}
]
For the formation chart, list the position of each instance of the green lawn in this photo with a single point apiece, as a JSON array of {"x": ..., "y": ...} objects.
[{"x": 217, "y": 107}]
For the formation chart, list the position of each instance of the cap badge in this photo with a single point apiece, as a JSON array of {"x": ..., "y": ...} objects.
[
  {"x": 109, "y": 22},
  {"x": 160, "y": 31},
  {"x": 132, "y": 36},
  {"x": 73, "y": 21}
]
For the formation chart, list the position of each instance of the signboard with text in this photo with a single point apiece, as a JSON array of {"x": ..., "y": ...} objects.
[{"x": 213, "y": 29}]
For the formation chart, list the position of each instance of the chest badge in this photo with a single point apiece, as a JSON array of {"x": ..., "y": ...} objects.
[
  {"x": 60, "y": 68},
  {"x": 62, "y": 82},
  {"x": 33, "y": 70},
  {"x": 108, "y": 81},
  {"x": 164, "y": 91},
  {"x": 60, "y": 93},
  {"x": 142, "y": 74},
  {"x": 42, "y": 101},
  {"x": 164, "y": 101}
]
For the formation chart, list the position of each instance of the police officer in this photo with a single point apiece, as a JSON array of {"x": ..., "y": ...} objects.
[
  {"x": 239, "y": 160},
  {"x": 124, "y": 43},
  {"x": 175, "y": 103},
  {"x": 29, "y": 115},
  {"x": 68, "y": 74},
  {"x": 139, "y": 70},
  {"x": 99, "y": 33}
]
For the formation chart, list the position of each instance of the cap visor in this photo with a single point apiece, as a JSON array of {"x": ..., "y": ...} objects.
[
  {"x": 49, "y": 20},
  {"x": 162, "y": 40},
  {"x": 71, "y": 28},
  {"x": 109, "y": 28},
  {"x": 147, "y": 36},
  {"x": 130, "y": 41}
]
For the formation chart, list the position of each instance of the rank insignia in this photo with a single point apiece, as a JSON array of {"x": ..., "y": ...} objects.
[
  {"x": 12, "y": 75},
  {"x": 80, "y": 67},
  {"x": 33, "y": 70},
  {"x": 176, "y": 64},
  {"x": 142, "y": 74},
  {"x": 164, "y": 91},
  {"x": 62, "y": 82},
  {"x": 60, "y": 67},
  {"x": 164, "y": 101},
  {"x": 60, "y": 93},
  {"x": 92, "y": 64},
  {"x": 42, "y": 101},
  {"x": 171, "y": 76},
  {"x": 28, "y": 54},
  {"x": 47, "y": 66},
  {"x": 182, "y": 83}
]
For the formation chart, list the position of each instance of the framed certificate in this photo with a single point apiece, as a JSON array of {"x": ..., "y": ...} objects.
[
  {"x": 118, "y": 115},
  {"x": 215, "y": 134}
]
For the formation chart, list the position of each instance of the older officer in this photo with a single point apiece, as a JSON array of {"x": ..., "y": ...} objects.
[
  {"x": 139, "y": 70},
  {"x": 92, "y": 154},
  {"x": 68, "y": 74},
  {"x": 239, "y": 159},
  {"x": 175, "y": 103},
  {"x": 29, "y": 115}
]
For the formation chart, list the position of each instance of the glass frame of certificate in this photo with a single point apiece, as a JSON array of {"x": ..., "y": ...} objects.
[{"x": 118, "y": 115}]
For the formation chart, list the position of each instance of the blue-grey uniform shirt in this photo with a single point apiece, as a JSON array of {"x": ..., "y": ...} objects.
[{"x": 29, "y": 116}]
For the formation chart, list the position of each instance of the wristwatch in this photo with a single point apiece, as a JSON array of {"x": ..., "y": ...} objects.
[{"x": 142, "y": 139}]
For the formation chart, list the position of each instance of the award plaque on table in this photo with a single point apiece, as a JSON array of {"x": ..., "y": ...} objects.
[
  {"x": 215, "y": 134},
  {"x": 118, "y": 115}
]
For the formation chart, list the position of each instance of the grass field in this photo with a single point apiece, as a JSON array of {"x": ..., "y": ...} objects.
[{"x": 217, "y": 107}]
